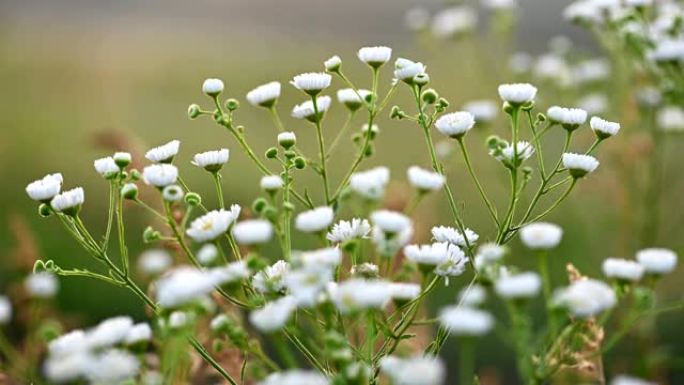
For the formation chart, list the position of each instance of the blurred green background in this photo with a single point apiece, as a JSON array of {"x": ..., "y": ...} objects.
[{"x": 80, "y": 79}]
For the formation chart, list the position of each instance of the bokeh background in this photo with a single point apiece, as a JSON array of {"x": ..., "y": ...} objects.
[{"x": 79, "y": 79}]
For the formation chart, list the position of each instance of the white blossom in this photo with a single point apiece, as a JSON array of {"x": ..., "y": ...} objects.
[
  {"x": 163, "y": 153},
  {"x": 567, "y": 116},
  {"x": 211, "y": 160},
  {"x": 160, "y": 175},
  {"x": 213, "y": 224},
  {"x": 417, "y": 370},
  {"x": 541, "y": 235},
  {"x": 315, "y": 220},
  {"x": 517, "y": 93},
  {"x": 272, "y": 278},
  {"x": 453, "y": 236},
  {"x": 370, "y": 184},
  {"x": 42, "y": 284},
  {"x": 306, "y": 110},
  {"x": 359, "y": 294},
  {"x": 425, "y": 180},
  {"x": 622, "y": 269},
  {"x": 406, "y": 70},
  {"x": 375, "y": 56},
  {"x": 271, "y": 183},
  {"x": 43, "y": 190},
  {"x": 274, "y": 315},
  {"x": 344, "y": 231},
  {"x": 586, "y": 297},
  {"x": 264, "y": 95},
  {"x": 312, "y": 82},
  {"x": 657, "y": 260},
  {"x": 212, "y": 86},
  {"x": 106, "y": 167},
  {"x": 522, "y": 285},
  {"x": 154, "y": 261},
  {"x": 579, "y": 164},
  {"x": 465, "y": 321},
  {"x": 68, "y": 201},
  {"x": 603, "y": 128},
  {"x": 252, "y": 231},
  {"x": 390, "y": 221},
  {"x": 295, "y": 377},
  {"x": 138, "y": 333}
]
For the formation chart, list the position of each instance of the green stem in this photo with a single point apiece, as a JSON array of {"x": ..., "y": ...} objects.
[
  {"x": 276, "y": 118},
  {"x": 219, "y": 190},
  {"x": 123, "y": 250},
  {"x": 321, "y": 150},
  {"x": 110, "y": 215},
  {"x": 467, "y": 361}
]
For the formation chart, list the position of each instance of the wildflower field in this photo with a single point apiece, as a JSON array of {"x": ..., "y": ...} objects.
[{"x": 384, "y": 193}]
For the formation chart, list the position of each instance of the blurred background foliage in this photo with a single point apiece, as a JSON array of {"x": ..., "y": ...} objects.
[{"x": 80, "y": 79}]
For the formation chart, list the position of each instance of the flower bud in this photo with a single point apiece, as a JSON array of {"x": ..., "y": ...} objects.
[
  {"x": 443, "y": 103},
  {"x": 151, "y": 235},
  {"x": 172, "y": 193},
  {"x": 287, "y": 139},
  {"x": 193, "y": 199},
  {"x": 259, "y": 205},
  {"x": 397, "y": 113},
  {"x": 271, "y": 153},
  {"x": 194, "y": 111},
  {"x": 44, "y": 210},
  {"x": 270, "y": 213},
  {"x": 122, "y": 159},
  {"x": 129, "y": 191},
  {"x": 429, "y": 96},
  {"x": 289, "y": 154},
  {"x": 421, "y": 79},
  {"x": 232, "y": 104},
  {"x": 212, "y": 87},
  {"x": 135, "y": 174},
  {"x": 299, "y": 163},
  {"x": 333, "y": 64}
]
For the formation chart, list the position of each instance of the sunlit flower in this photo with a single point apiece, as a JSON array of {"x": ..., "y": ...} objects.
[
  {"x": 42, "y": 284},
  {"x": 375, "y": 56},
  {"x": 586, "y": 297},
  {"x": 453, "y": 236},
  {"x": 43, "y": 190},
  {"x": 213, "y": 224},
  {"x": 69, "y": 202},
  {"x": 603, "y": 128},
  {"x": 417, "y": 370},
  {"x": 212, "y": 87},
  {"x": 163, "y": 153},
  {"x": 154, "y": 261},
  {"x": 272, "y": 278},
  {"x": 106, "y": 167},
  {"x": 352, "y": 99},
  {"x": 359, "y": 294},
  {"x": 211, "y": 161},
  {"x": 570, "y": 118},
  {"x": 390, "y": 221},
  {"x": 455, "y": 124},
  {"x": 274, "y": 315},
  {"x": 311, "y": 82},
  {"x": 522, "y": 285},
  {"x": 465, "y": 321},
  {"x": 579, "y": 165},
  {"x": 344, "y": 231},
  {"x": 306, "y": 110},
  {"x": 406, "y": 70},
  {"x": 271, "y": 183},
  {"x": 425, "y": 180}
]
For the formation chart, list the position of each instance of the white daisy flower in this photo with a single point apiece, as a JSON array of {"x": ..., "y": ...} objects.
[
  {"x": 326, "y": 257},
  {"x": 345, "y": 231},
  {"x": 400, "y": 291},
  {"x": 370, "y": 184},
  {"x": 622, "y": 269},
  {"x": 455, "y": 124},
  {"x": 424, "y": 180},
  {"x": 390, "y": 221},
  {"x": 315, "y": 220},
  {"x": 296, "y": 377},
  {"x": 172, "y": 193},
  {"x": 163, "y": 153},
  {"x": 5, "y": 310},
  {"x": 333, "y": 64},
  {"x": 306, "y": 110},
  {"x": 453, "y": 265},
  {"x": 287, "y": 139},
  {"x": 359, "y": 294},
  {"x": 274, "y": 315},
  {"x": 272, "y": 278},
  {"x": 69, "y": 202},
  {"x": 211, "y": 161},
  {"x": 352, "y": 99},
  {"x": 113, "y": 366},
  {"x": 430, "y": 254},
  {"x": 579, "y": 165},
  {"x": 207, "y": 254},
  {"x": 138, "y": 333},
  {"x": 311, "y": 82},
  {"x": 271, "y": 183},
  {"x": 522, "y": 285},
  {"x": 541, "y": 235},
  {"x": 186, "y": 284},
  {"x": 70, "y": 367},
  {"x": 252, "y": 231},
  {"x": 41, "y": 285},
  {"x": 524, "y": 150},
  {"x": 265, "y": 95},
  {"x": 517, "y": 93},
  {"x": 106, "y": 167},
  {"x": 306, "y": 284},
  {"x": 657, "y": 261},
  {"x": 212, "y": 87},
  {"x": 160, "y": 175},
  {"x": 482, "y": 110},
  {"x": 586, "y": 297},
  {"x": 405, "y": 70},
  {"x": 465, "y": 321},
  {"x": 570, "y": 118},
  {"x": 154, "y": 261},
  {"x": 417, "y": 370},
  {"x": 213, "y": 224},
  {"x": 43, "y": 190},
  {"x": 453, "y": 236},
  {"x": 491, "y": 252},
  {"x": 375, "y": 56},
  {"x": 109, "y": 332},
  {"x": 603, "y": 128}
]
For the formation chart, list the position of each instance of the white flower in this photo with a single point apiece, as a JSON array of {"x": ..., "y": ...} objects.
[
  {"x": 122, "y": 159},
  {"x": 306, "y": 110},
  {"x": 163, "y": 153},
  {"x": 390, "y": 221},
  {"x": 225, "y": 274},
  {"x": 586, "y": 297},
  {"x": 465, "y": 321},
  {"x": 603, "y": 128},
  {"x": 272, "y": 278},
  {"x": 491, "y": 252},
  {"x": 524, "y": 149},
  {"x": 186, "y": 284},
  {"x": 579, "y": 165},
  {"x": 455, "y": 124},
  {"x": 160, "y": 175},
  {"x": 42, "y": 284},
  {"x": 172, "y": 193},
  {"x": 138, "y": 333},
  {"x": 359, "y": 294},
  {"x": 671, "y": 119},
  {"x": 326, "y": 257},
  {"x": 627, "y": 380},
  {"x": 431, "y": 254},
  {"x": 656, "y": 260},
  {"x": 406, "y": 70},
  {"x": 404, "y": 291},
  {"x": 112, "y": 367},
  {"x": 307, "y": 283},
  {"x": 70, "y": 367},
  {"x": 482, "y": 110},
  {"x": 370, "y": 184},
  {"x": 155, "y": 261},
  {"x": 287, "y": 139},
  {"x": 517, "y": 93},
  {"x": 109, "y": 332},
  {"x": 106, "y": 167},
  {"x": 211, "y": 160},
  {"x": 42, "y": 190},
  {"x": 179, "y": 319},
  {"x": 375, "y": 56},
  {"x": 296, "y": 377},
  {"x": 472, "y": 295},
  {"x": 571, "y": 117},
  {"x": 522, "y": 285},
  {"x": 622, "y": 269},
  {"x": 207, "y": 254},
  {"x": 315, "y": 220},
  {"x": 425, "y": 180},
  {"x": 265, "y": 95},
  {"x": 68, "y": 201},
  {"x": 333, "y": 64},
  {"x": 454, "y": 21},
  {"x": 274, "y": 315},
  {"x": 5, "y": 310},
  {"x": 351, "y": 98},
  {"x": 312, "y": 82},
  {"x": 212, "y": 87},
  {"x": 344, "y": 231},
  {"x": 366, "y": 269},
  {"x": 453, "y": 236},
  {"x": 541, "y": 235},
  {"x": 213, "y": 224},
  {"x": 253, "y": 231},
  {"x": 271, "y": 183},
  {"x": 418, "y": 370},
  {"x": 668, "y": 50},
  {"x": 454, "y": 263}
]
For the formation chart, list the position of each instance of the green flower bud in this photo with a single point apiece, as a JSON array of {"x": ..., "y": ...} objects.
[
  {"x": 271, "y": 153},
  {"x": 193, "y": 199},
  {"x": 44, "y": 210},
  {"x": 429, "y": 96},
  {"x": 232, "y": 104},
  {"x": 421, "y": 79},
  {"x": 151, "y": 235},
  {"x": 289, "y": 154},
  {"x": 194, "y": 111},
  {"x": 508, "y": 108},
  {"x": 528, "y": 106},
  {"x": 287, "y": 140},
  {"x": 541, "y": 117},
  {"x": 259, "y": 205},
  {"x": 270, "y": 213},
  {"x": 299, "y": 163},
  {"x": 129, "y": 191},
  {"x": 135, "y": 175},
  {"x": 397, "y": 113},
  {"x": 443, "y": 103},
  {"x": 122, "y": 159}
]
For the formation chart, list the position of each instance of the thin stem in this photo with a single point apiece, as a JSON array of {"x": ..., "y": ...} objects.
[
  {"x": 321, "y": 149},
  {"x": 276, "y": 118},
  {"x": 488, "y": 203},
  {"x": 110, "y": 215},
  {"x": 219, "y": 190},
  {"x": 123, "y": 250},
  {"x": 557, "y": 202}
]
